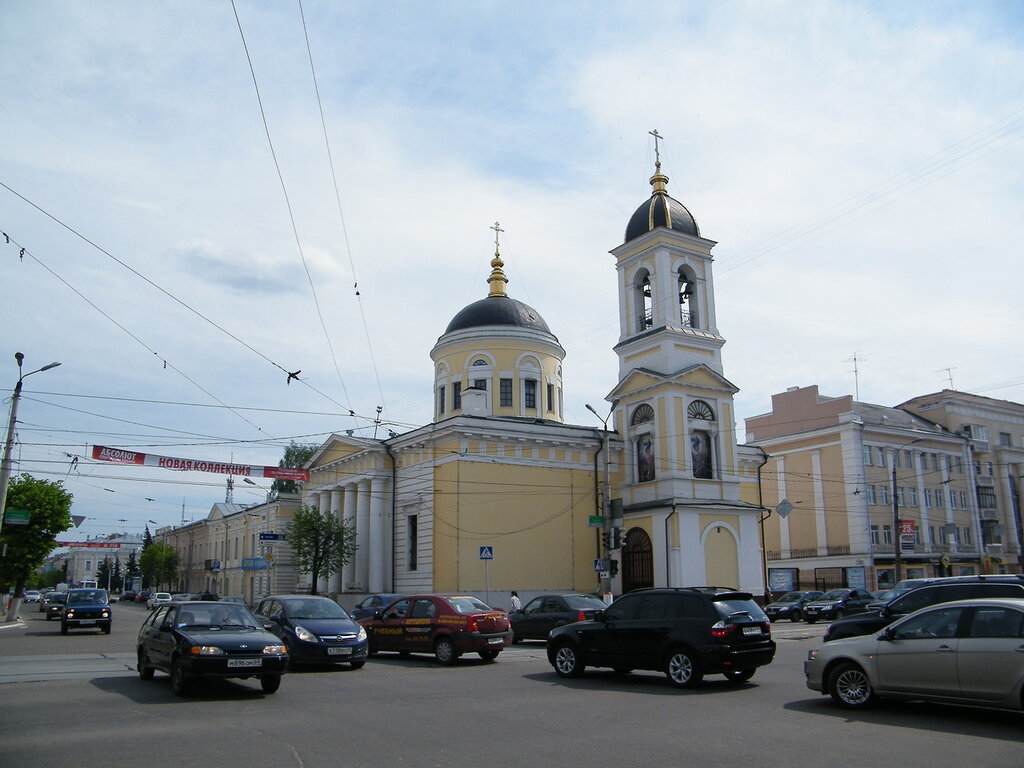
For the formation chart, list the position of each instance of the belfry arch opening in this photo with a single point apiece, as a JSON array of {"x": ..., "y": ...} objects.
[{"x": 688, "y": 314}]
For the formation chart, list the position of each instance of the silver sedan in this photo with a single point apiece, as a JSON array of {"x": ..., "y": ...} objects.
[{"x": 967, "y": 652}]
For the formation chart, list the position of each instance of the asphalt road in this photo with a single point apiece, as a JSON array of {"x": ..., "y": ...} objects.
[{"x": 75, "y": 700}]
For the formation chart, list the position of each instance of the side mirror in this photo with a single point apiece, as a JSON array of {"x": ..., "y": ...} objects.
[
  {"x": 600, "y": 616},
  {"x": 887, "y": 635}
]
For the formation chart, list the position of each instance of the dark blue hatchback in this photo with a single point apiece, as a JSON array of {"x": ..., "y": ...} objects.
[{"x": 316, "y": 629}]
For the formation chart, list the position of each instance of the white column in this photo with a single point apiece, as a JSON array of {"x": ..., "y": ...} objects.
[
  {"x": 349, "y": 507},
  {"x": 363, "y": 534},
  {"x": 377, "y": 538},
  {"x": 337, "y": 497}
]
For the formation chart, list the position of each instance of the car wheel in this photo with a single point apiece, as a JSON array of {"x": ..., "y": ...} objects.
[
  {"x": 849, "y": 687},
  {"x": 357, "y": 664},
  {"x": 739, "y": 675},
  {"x": 145, "y": 671},
  {"x": 180, "y": 683},
  {"x": 568, "y": 662},
  {"x": 488, "y": 655},
  {"x": 270, "y": 683},
  {"x": 682, "y": 669},
  {"x": 63, "y": 628},
  {"x": 444, "y": 651},
  {"x": 796, "y": 616}
]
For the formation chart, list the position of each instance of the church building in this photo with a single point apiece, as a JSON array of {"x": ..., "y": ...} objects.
[{"x": 499, "y": 493}]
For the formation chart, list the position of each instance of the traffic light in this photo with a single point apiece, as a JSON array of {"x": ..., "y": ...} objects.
[
  {"x": 616, "y": 538},
  {"x": 606, "y": 539},
  {"x": 614, "y": 569}
]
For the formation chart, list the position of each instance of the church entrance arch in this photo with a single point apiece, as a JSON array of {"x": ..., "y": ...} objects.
[{"x": 637, "y": 561}]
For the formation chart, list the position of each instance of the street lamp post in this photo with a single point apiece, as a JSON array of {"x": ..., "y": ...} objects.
[
  {"x": 5, "y": 465},
  {"x": 897, "y": 530},
  {"x": 606, "y": 493}
]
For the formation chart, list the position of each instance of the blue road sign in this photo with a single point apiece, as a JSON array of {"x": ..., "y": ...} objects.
[
  {"x": 486, "y": 553},
  {"x": 271, "y": 537}
]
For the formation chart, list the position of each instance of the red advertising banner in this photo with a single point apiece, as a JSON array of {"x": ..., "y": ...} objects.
[
  {"x": 122, "y": 456},
  {"x": 92, "y": 544}
]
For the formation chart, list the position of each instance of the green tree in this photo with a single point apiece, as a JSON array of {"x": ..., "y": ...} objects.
[
  {"x": 295, "y": 456},
  {"x": 147, "y": 539},
  {"x": 131, "y": 568},
  {"x": 27, "y": 546},
  {"x": 323, "y": 544},
  {"x": 159, "y": 564},
  {"x": 104, "y": 573}
]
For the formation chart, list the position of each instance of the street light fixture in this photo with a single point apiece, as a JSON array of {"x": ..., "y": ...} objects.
[
  {"x": 897, "y": 530},
  {"x": 606, "y": 493},
  {"x": 5, "y": 465}
]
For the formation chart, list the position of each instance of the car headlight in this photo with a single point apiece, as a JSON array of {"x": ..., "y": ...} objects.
[
  {"x": 206, "y": 650},
  {"x": 361, "y": 634},
  {"x": 105, "y": 614},
  {"x": 274, "y": 650},
  {"x": 70, "y": 613},
  {"x": 305, "y": 635}
]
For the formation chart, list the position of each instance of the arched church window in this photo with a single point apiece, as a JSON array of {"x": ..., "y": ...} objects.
[
  {"x": 642, "y": 422},
  {"x": 642, "y": 415},
  {"x": 644, "y": 301},
  {"x": 699, "y": 414},
  {"x": 698, "y": 409},
  {"x": 687, "y": 302},
  {"x": 479, "y": 361}
]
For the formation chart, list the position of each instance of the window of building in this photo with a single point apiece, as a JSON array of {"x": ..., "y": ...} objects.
[
  {"x": 872, "y": 495},
  {"x": 949, "y": 464},
  {"x": 641, "y": 422},
  {"x": 687, "y": 303},
  {"x": 868, "y": 456},
  {"x": 883, "y": 493},
  {"x": 1005, "y": 438},
  {"x": 456, "y": 395},
  {"x": 966, "y": 536},
  {"x": 963, "y": 499},
  {"x": 700, "y": 439},
  {"x": 938, "y": 498},
  {"x": 440, "y": 399},
  {"x": 505, "y": 393},
  {"x": 881, "y": 456},
  {"x": 480, "y": 384},
  {"x": 901, "y": 495},
  {"x": 986, "y": 497},
  {"x": 479, "y": 361},
  {"x": 644, "y": 302},
  {"x": 991, "y": 532},
  {"x": 913, "y": 496},
  {"x": 887, "y": 534},
  {"x": 874, "y": 535},
  {"x": 976, "y": 431},
  {"x": 952, "y": 499},
  {"x": 922, "y": 460},
  {"x": 935, "y": 462},
  {"x": 959, "y": 465},
  {"x": 551, "y": 397},
  {"x": 530, "y": 393},
  {"x": 989, "y": 468},
  {"x": 412, "y": 541}
]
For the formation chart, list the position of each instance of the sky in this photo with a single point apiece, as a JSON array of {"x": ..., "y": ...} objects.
[{"x": 193, "y": 215}]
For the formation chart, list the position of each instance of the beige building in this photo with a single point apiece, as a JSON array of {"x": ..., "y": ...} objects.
[
  {"x": 995, "y": 429},
  {"x": 848, "y": 482},
  {"x": 498, "y": 493}
]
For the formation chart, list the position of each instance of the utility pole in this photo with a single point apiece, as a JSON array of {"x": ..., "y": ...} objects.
[
  {"x": 897, "y": 531},
  {"x": 608, "y": 529}
]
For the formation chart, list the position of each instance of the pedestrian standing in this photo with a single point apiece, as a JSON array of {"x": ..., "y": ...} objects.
[{"x": 516, "y": 603}]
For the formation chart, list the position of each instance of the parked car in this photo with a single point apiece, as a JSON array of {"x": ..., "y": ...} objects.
[
  {"x": 32, "y": 595},
  {"x": 686, "y": 633},
  {"x": 143, "y": 596},
  {"x": 195, "y": 640},
  {"x": 370, "y": 604},
  {"x": 128, "y": 596},
  {"x": 884, "y": 598},
  {"x": 791, "y": 605},
  {"x": 967, "y": 652},
  {"x": 931, "y": 592},
  {"x": 836, "y": 603},
  {"x": 445, "y": 625},
  {"x": 545, "y": 612},
  {"x": 85, "y": 608},
  {"x": 316, "y": 629},
  {"x": 55, "y": 605},
  {"x": 158, "y": 598},
  {"x": 180, "y": 596}
]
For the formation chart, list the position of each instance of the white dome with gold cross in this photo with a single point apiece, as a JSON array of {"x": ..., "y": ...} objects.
[{"x": 497, "y": 357}]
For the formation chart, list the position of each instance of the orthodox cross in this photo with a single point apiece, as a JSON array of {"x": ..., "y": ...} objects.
[
  {"x": 497, "y": 230},
  {"x": 657, "y": 136}
]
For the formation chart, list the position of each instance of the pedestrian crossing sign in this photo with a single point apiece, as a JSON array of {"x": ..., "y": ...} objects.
[{"x": 486, "y": 553}]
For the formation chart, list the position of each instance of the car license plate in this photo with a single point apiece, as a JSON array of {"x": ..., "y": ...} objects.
[
  {"x": 495, "y": 641},
  {"x": 751, "y": 630},
  {"x": 339, "y": 651},
  {"x": 245, "y": 662},
  {"x": 86, "y": 623}
]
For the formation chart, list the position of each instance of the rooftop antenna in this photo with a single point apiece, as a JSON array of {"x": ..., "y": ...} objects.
[
  {"x": 376, "y": 421},
  {"x": 856, "y": 374},
  {"x": 949, "y": 375}
]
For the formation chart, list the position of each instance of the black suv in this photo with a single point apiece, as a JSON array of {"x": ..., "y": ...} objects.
[
  {"x": 684, "y": 632},
  {"x": 836, "y": 603},
  {"x": 931, "y": 592}
]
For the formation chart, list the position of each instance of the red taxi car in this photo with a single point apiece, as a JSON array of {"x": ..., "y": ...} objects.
[{"x": 444, "y": 625}]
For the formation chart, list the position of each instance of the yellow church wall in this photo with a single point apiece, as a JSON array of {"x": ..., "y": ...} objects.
[
  {"x": 721, "y": 550},
  {"x": 537, "y": 528}
]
